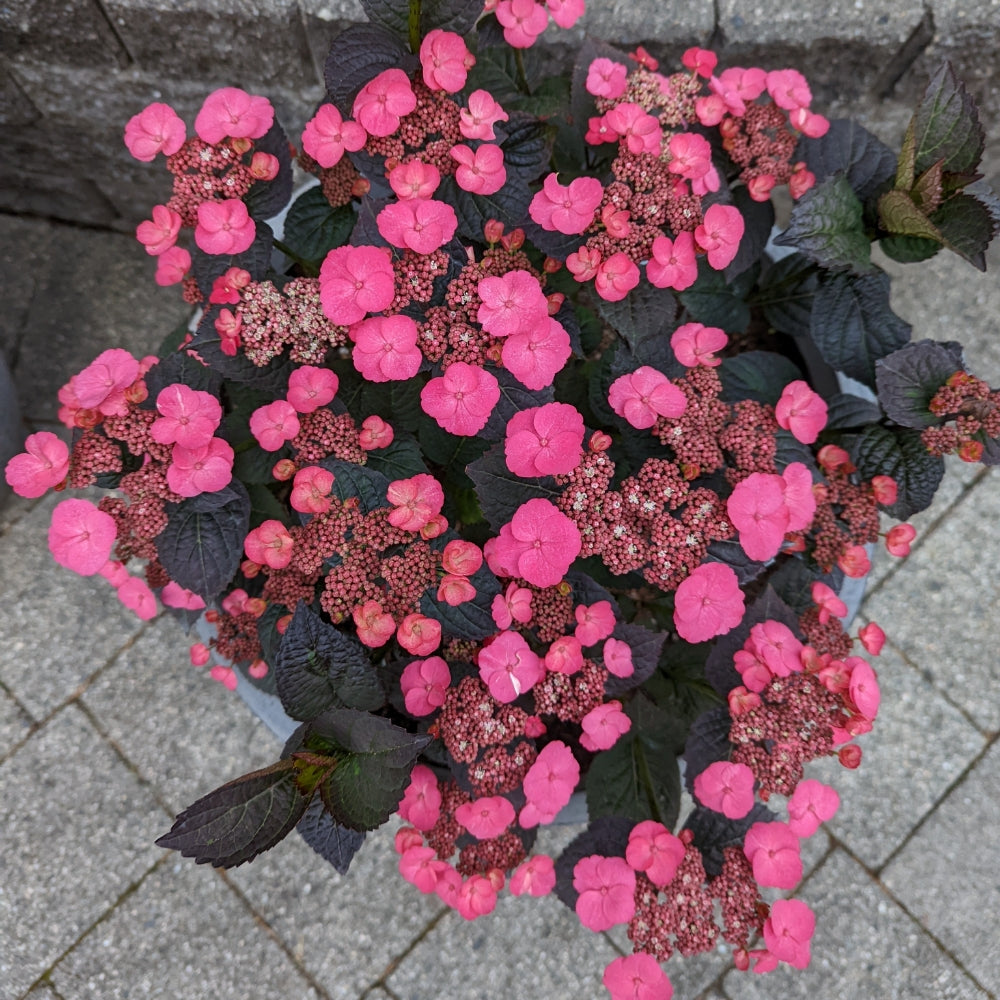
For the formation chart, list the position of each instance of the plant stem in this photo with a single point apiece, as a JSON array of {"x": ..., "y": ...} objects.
[
  {"x": 522, "y": 79},
  {"x": 413, "y": 24},
  {"x": 308, "y": 267}
]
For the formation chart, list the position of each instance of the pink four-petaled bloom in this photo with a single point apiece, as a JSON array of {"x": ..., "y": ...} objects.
[
  {"x": 690, "y": 155},
  {"x": 424, "y": 684},
  {"x": 788, "y": 931},
  {"x": 385, "y": 348},
  {"x": 445, "y": 61},
  {"x": 81, "y": 536},
  {"x": 565, "y": 655},
  {"x": 462, "y": 399},
  {"x": 414, "y": 179},
  {"x": 383, "y": 101},
  {"x": 758, "y": 511},
  {"x": 270, "y": 544},
  {"x": 544, "y": 440},
  {"x": 311, "y": 490},
  {"x": 421, "y": 803},
  {"x": 898, "y": 539},
  {"x": 188, "y": 417},
  {"x": 327, "y": 136},
  {"x": 159, "y": 234},
  {"x": 720, "y": 234},
  {"x": 788, "y": 89},
  {"x": 102, "y": 384},
  {"x": 422, "y": 225},
  {"x": 137, "y": 596},
  {"x": 207, "y": 469},
  {"x": 233, "y": 113},
  {"x": 477, "y": 119},
  {"x": 565, "y": 12},
  {"x": 773, "y": 851},
  {"x": 172, "y": 265},
  {"x": 43, "y": 464},
  {"x": 708, "y": 603},
  {"x": 640, "y": 130},
  {"x": 480, "y": 171},
  {"x": 174, "y": 595},
  {"x": 863, "y": 688},
  {"x": 616, "y": 276},
  {"x": 538, "y": 545},
  {"x": 811, "y": 803},
  {"x": 421, "y": 867},
  {"x": 536, "y": 356},
  {"x": 224, "y": 227},
  {"x": 513, "y": 605},
  {"x": 375, "y": 626},
  {"x": 644, "y": 395},
  {"x": 534, "y": 877},
  {"x": 566, "y": 208},
  {"x": 606, "y": 78},
  {"x": 617, "y": 655},
  {"x": 274, "y": 423},
  {"x": 727, "y": 788},
  {"x": 594, "y": 622},
  {"x": 673, "y": 264},
  {"x": 695, "y": 344},
  {"x": 487, "y": 817},
  {"x": 476, "y": 897},
  {"x": 637, "y": 977},
  {"x": 511, "y": 303},
  {"x": 375, "y": 433},
  {"x": 872, "y": 638},
  {"x": 523, "y": 21},
  {"x": 414, "y": 501},
  {"x": 829, "y": 604},
  {"x": 549, "y": 784},
  {"x": 155, "y": 129},
  {"x": 418, "y": 634},
  {"x": 355, "y": 281},
  {"x": 508, "y": 667},
  {"x": 607, "y": 890},
  {"x": 801, "y": 411},
  {"x": 603, "y": 726},
  {"x": 653, "y": 849},
  {"x": 310, "y": 387}
]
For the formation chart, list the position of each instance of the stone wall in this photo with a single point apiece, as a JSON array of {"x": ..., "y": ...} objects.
[{"x": 73, "y": 71}]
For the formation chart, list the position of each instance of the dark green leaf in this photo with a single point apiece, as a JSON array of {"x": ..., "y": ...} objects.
[
  {"x": 473, "y": 619},
  {"x": 181, "y": 367},
  {"x": 786, "y": 294},
  {"x": 401, "y": 460},
  {"x": 908, "y": 379},
  {"x": 254, "y": 465},
  {"x": 828, "y": 228},
  {"x": 946, "y": 126},
  {"x": 714, "y": 302},
  {"x": 900, "y": 453},
  {"x": 524, "y": 145},
  {"x": 501, "y": 492},
  {"x": 313, "y": 227},
  {"x": 853, "y": 325},
  {"x": 394, "y": 15},
  {"x": 967, "y": 226},
  {"x": 459, "y": 16},
  {"x": 238, "y": 821},
  {"x": 327, "y": 838},
  {"x": 453, "y": 452},
  {"x": 758, "y": 221},
  {"x": 846, "y": 411},
  {"x": 852, "y": 150},
  {"x": 909, "y": 249},
  {"x": 647, "y": 311},
  {"x": 266, "y": 199},
  {"x": 759, "y": 375},
  {"x": 901, "y": 217},
  {"x": 264, "y": 505},
  {"x": 707, "y": 742},
  {"x": 202, "y": 544},
  {"x": 350, "y": 480},
  {"x": 713, "y": 832},
  {"x": 792, "y": 582},
  {"x": 509, "y": 205},
  {"x": 373, "y": 771}
]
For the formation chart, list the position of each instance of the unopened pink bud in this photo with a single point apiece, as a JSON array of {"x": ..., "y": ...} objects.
[
  {"x": 550, "y": 265},
  {"x": 599, "y": 441},
  {"x": 512, "y": 241},
  {"x": 284, "y": 469},
  {"x": 264, "y": 166},
  {"x": 850, "y": 756},
  {"x": 493, "y": 231},
  {"x": 241, "y": 145},
  {"x": 249, "y": 568},
  {"x": 872, "y": 638},
  {"x": 281, "y": 626},
  {"x": 555, "y": 301},
  {"x": 199, "y": 654},
  {"x": 436, "y": 526},
  {"x": 257, "y": 669},
  {"x": 898, "y": 539}
]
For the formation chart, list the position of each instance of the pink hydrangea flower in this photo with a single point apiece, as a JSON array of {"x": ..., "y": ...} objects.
[
  {"x": 801, "y": 411},
  {"x": 327, "y": 136},
  {"x": 155, "y": 129},
  {"x": 311, "y": 490},
  {"x": 536, "y": 356},
  {"x": 814, "y": 126},
  {"x": 476, "y": 121},
  {"x": 811, "y": 804},
  {"x": 695, "y": 344},
  {"x": 645, "y": 394},
  {"x": 523, "y": 21},
  {"x": 81, "y": 536},
  {"x": 462, "y": 399},
  {"x": 607, "y": 890},
  {"x": 193, "y": 471},
  {"x": 445, "y": 61},
  {"x": 606, "y": 78},
  {"x": 454, "y": 590},
  {"x": 594, "y": 622},
  {"x": 863, "y": 688},
  {"x": 690, "y": 155},
  {"x": 226, "y": 288},
  {"x": 727, "y": 788},
  {"x": 637, "y": 977},
  {"x": 355, "y": 281},
  {"x": 382, "y": 102},
  {"x": 375, "y": 433},
  {"x": 480, "y": 171},
  {"x": 777, "y": 646},
  {"x": 274, "y": 424},
  {"x": 269, "y": 544},
  {"x": 414, "y": 501},
  {"x": 461, "y": 557},
  {"x": 788, "y": 931},
  {"x": 548, "y": 784},
  {"x": 565, "y": 655},
  {"x": 171, "y": 266},
  {"x": 603, "y": 726},
  {"x": 720, "y": 235},
  {"x": 788, "y": 89},
  {"x": 233, "y": 113},
  {"x": 511, "y": 303},
  {"x": 565, "y": 12},
  {"x": 44, "y": 463},
  {"x": 385, "y": 348},
  {"x": 174, "y": 595},
  {"x": 102, "y": 384},
  {"x": 224, "y": 227},
  {"x": 708, "y": 603},
  {"x": 640, "y": 130},
  {"x": 653, "y": 849},
  {"x": 487, "y": 817},
  {"x": 566, "y": 208},
  {"x": 421, "y": 867},
  {"x": 616, "y": 276},
  {"x": 773, "y": 851},
  {"x": 674, "y": 264},
  {"x": 534, "y": 877},
  {"x": 797, "y": 487},
  {"x": 539, "y": 544},
  {"x": 872, "y": 638},
  {"x": 421, "y": 802},
  {"x": 418, "y": 634},
  {"x": 854, "y": 561},
  {"x": 476, "y": 897},
  {"x": 702, "y": 61},
  {"x": 617, "y": 655},
  {"x": 414, "y": 179},
  {"x": 422, "y": 225},
  {"x": 424, "y": 684},
  {"x": 544, "y": 440},
  {"x": 159, "y": 234},
  {"x": 136, "y": 595},
  {"x": 188, "y": 417},
  {"x": 375, "y": 626},
  {"x": 898, "y": 539},
  {"x": 514, "y": 605},
  {"x": 829, "y": 604},
  {"x": 508, "y": 667},
  {"x": 310, "y": 387},
  {"x": 759, "y": 513}
]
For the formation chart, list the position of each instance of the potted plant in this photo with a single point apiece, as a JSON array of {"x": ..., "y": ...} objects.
[{"x": 529, "y": 458}]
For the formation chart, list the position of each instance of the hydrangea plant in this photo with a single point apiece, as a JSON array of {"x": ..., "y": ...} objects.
[{"x": 530, "y": 457}]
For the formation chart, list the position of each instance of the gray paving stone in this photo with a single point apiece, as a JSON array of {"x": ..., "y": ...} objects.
[
  {"x": 45, "y": 610},
  {"x": 24, "y": 259},
  {"x": 14, "y": 723},
  {"x": 15, "y": 105},
  {"x": 345, "y": 930},
  {"x": 151, "y": 691},
  {"x": 74, "y": 33},
  {"x": 525, "y": 948},
  {"x": 78, "y": 830},
  {"x": 673, "y": 22},
  {"x": 936, "y": 609},
  {"x": 947, "y": 877},
  {"x": 864, "y": 946},
  {"x": 100, "y": 295},
  {"x": 43, "y": 992},
  {"x": 183, "y": 933},
  {"x": 901, "y": 776}
]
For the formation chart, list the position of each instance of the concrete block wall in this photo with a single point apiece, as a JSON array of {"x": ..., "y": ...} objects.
[{"x": 73, "y": 71}]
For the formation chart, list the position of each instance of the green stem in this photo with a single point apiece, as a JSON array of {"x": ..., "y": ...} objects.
[
  {"x": 308, "y": 267},
  {"x": 522, "y": 79},
  {"x": 413, "y": 23}
]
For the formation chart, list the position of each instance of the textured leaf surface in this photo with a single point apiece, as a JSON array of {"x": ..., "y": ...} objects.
[
  {"x": 946, "y": 126},
  {"x": 330, "y": 840},
  {"x": 852, "y": 150},
  {"x": 500, "y": 492},
  {"x": 647, "y": 311},
  {"x": 267, "y": 198},
  {"x": 359, "y": 53},
  {"x": 646, "y": 646},
  {"x": 908, "y": 379},
  {"x": 901, "y": 454},
  {"x": 313, "y": 227},
  {"x": 760, "y": 375},
  {"x": 707, "y": 742}
]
